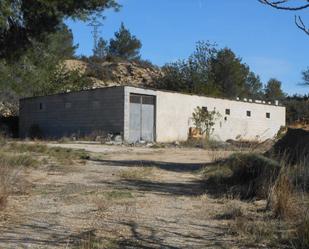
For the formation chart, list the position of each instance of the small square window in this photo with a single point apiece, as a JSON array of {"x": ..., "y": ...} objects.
[
  {"x": 248, "y": 113},
  {"x": 227, "y": 111},
  {"x": 68, "y": 105},
  {"x": 267, "y": 115}
]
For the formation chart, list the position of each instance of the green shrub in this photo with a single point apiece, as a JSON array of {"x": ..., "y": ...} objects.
[{"x": 252, "y": 175}]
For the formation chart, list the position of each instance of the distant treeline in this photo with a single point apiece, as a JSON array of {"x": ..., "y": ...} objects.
[
  {"x": 297, "y": 108},
  {"x": 33, "y": 52}
]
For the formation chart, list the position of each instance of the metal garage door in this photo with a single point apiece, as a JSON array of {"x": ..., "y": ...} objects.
[{"x": 142, "y": 117}]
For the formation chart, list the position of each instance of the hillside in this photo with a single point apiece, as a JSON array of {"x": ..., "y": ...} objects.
[
  {"x": 104, "y": 74},
  {"x": 117, "y": 73}
]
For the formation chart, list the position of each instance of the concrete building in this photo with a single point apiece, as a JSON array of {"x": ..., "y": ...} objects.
[{"x": 146, "y": 114}]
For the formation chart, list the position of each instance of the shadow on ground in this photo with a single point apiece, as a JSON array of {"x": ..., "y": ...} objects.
[
  {"x": 169, "y": 166},
  {"x": 181, "y": 187},
  {"x": 191, "y": 188},
  {"x": 213, "y": 239}
]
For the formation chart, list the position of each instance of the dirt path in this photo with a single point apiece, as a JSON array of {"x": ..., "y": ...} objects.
[{"x": 164, "y": 207}]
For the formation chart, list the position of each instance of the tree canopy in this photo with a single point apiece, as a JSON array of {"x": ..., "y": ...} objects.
[
  {"x": 229, "y": 73},
  {"x": 41, "y": 70},
  {"x": 22, "y": 21},
  {"x": 124, "y": 45},
  {"x": 214, "y": 72},
  {"x": 192, "y": 75},
  {"x": 273, "y": 90}
]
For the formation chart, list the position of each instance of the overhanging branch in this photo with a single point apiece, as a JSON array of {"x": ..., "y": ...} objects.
[
  {"x": 282, "y": 5},
  {"x": 300, "y": 24}
]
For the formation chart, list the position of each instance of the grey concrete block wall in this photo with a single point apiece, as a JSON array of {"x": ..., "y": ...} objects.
[{"x": 81, "y": 113}]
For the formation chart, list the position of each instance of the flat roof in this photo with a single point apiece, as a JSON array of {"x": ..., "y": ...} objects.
[{"x": 261, "y": 102}]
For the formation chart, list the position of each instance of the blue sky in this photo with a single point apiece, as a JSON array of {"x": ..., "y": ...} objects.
[{"x": 266, "y": 39}]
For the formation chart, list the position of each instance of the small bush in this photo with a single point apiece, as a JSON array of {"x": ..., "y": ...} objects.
[
  {"x": 206, "y": 143},
  {"x": 252, "y": 175},
  {"x": 232, "y": 211}
]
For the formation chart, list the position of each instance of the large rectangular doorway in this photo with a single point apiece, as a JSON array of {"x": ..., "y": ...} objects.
[{"x": 142, "y": 118}]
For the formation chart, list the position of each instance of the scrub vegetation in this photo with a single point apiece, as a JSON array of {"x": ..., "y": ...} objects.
[
  {"x": 117, "y": 197},
  {"x": 16, "y": 158},
  {"x": 281, "y": 187}
]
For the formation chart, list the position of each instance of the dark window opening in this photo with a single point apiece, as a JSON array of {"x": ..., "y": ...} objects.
[
  {"x": 142, "y": 99},
  {"x": 41, "y": 106},
  {"x": 135, "y": 99},
  {"x": 227, "y": 111},
  {"x": 267, "y": 115},
  {"x": 148, "y": 100},
  {"x": 248, "y": 113}
]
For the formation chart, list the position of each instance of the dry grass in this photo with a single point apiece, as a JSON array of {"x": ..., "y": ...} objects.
[
  {"x": 90, "y": 241},
  {"x": 284, "y": 220},
  {"x": 137, "y": 173},
  {"x": 232, "y": 210},
  {"x": 15, "y": 157},
  {"x": 301, "y": 235},
  {"x": 17, "y": 160},
  {"x": 282, "y": 198},
  {"x": 10, "y": 166},
  {"x": 102, "y": 205},
  {"x": 62, "y": 155},
  {"x": 255, "y": 232},
  {"x": 8, "y": 178}
]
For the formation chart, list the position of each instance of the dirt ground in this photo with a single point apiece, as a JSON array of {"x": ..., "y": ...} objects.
[{"x": 162, "y": 205}]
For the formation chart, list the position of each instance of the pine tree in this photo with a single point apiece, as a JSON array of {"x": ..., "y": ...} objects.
[
  {"x": 22, "y": 21},
  {"x": 125, "y": 45}
]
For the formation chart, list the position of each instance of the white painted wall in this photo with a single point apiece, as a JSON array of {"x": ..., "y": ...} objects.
[{"x": 174, "y": 116}]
